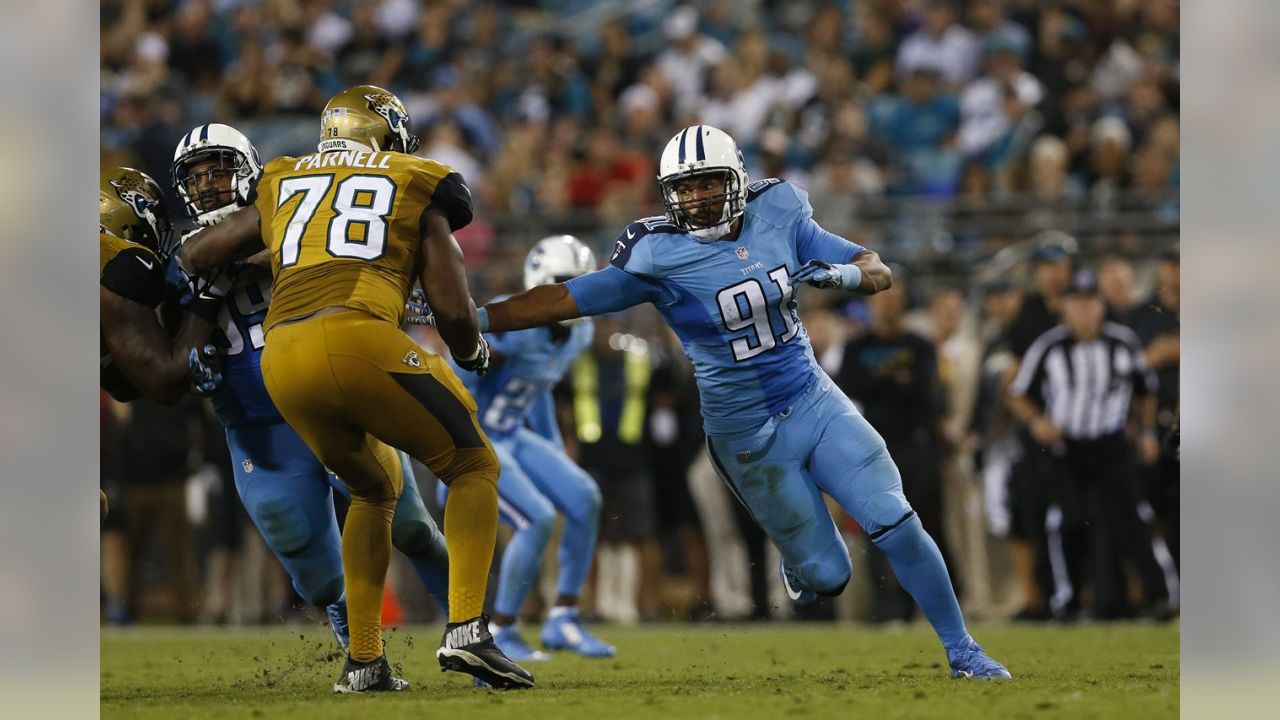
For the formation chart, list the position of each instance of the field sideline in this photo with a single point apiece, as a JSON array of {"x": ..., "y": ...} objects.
[{"x": 734, "y": 672}]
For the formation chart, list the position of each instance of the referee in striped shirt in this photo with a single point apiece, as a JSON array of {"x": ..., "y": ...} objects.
[{"x": 1076, "y": 389}]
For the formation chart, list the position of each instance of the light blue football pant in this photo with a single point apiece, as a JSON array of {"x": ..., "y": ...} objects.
[
  {"x": 536, "y": 481},
  {"x": 287, "y": 493},
  {"x": 823, "y": 444}
]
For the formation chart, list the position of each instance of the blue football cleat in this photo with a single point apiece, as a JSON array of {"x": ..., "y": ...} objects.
[
  {"x": 799, "y": 594},
  {"x": 508, "y": 640},
  {"x": 564, "y": 631},
  {"x": 969, "y": 661},
  {"x": 337, "y": 613}
]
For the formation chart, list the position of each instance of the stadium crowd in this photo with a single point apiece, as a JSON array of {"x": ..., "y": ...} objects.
[{"x": 989, "y": 148}]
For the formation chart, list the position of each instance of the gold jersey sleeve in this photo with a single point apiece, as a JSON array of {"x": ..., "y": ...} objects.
[
  {"x": 344, "y": 229},
  {"x": 130, "y": 270}
]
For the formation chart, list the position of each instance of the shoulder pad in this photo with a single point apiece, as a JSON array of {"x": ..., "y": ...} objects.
[
  {"x": 759, "y": 187},
  {"x": 778, "y": 202},
  {"x": 629, "y": 237}
]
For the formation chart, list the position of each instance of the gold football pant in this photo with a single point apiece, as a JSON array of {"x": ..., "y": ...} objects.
[{"x": 353, "y": 387}]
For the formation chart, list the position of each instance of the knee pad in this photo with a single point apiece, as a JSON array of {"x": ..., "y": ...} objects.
[
  {"x": 474, "y": 462},
  {"x": 414, "y": 536},
  {"x": 588, "y": 511},
  {"x": 543, "y": 525},
  {"x": 885, "y": 511},
  {"x": 283, "y": 524},
  {"x": 321, "y": 594},
  {"x": 829, "y": 575}
]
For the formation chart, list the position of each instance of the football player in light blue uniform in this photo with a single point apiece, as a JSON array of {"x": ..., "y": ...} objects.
[
  {"x": 537, "y": 478},
  {"x": 284, "y": 488},
  {"x": 721, "y": 267}
]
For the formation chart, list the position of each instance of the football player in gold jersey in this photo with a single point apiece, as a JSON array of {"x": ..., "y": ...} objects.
[
  {"x": 350, "y": 229},
  {"x": 138, "y": 356}
]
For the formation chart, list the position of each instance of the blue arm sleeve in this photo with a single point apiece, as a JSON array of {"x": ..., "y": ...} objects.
[
  {"x": 542, "y": 418},
  {"x": 610, "y": 290},
  {"x": 814, "y": 243}
]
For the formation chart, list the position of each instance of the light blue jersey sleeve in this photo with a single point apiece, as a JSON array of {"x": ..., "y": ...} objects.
[
  {"x": 610, "y": 290},
  {"x": 542, "y": 418}
]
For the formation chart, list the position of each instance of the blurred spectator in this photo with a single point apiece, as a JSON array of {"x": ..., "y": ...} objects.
[
  {"x": 609, "y": 167},
  {"x": 1110, "y": 140},
  {"x": 835, "y": 190},
  {"x": 941, "y": 45},
  {"x": 1115, "y": 284},
  {"x": 920, "y": 126},
  {"x": 958, "y": 351},
  {"x": 994, "y": 104},
  {"x": 1157, "y": 323},
  {"x": 687, "y": 57},
  {"x": 989, "y": 23},
  {"x": 157, "y": 445},
  {"x": 609, "y": 391},
  {"x": 874, "y": 47},
  {"x": 369, "y": 56}
]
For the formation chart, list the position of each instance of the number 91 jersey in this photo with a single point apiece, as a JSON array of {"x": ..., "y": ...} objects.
[
  {"x": 732, "y": 304},
  {"x": 344, "y": 228}
]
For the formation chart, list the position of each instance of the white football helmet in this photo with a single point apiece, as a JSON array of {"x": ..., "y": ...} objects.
[
  {"x": 237, "y": 159},
  {"x": 699, "y": 150},
  {"x": 555, "y": 259}
]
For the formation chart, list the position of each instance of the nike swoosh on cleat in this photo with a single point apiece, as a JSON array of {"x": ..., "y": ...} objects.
[{"x": 475, "y": 662}]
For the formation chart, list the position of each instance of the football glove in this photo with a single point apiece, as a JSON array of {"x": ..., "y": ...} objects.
[
  {"x": 478, "y": 363},
  {"x": 825, "y": 275},
  {"x": 199, "y": 295},
  {"x": 416, "y": 310},
  {"x": 204, "y": 364}
]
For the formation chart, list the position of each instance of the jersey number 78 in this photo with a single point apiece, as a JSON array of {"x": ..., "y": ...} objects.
[{"x": 358, "y": 201}]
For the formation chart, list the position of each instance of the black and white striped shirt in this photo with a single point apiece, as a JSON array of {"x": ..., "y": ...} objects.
[{"x": 1085, "y": 387}]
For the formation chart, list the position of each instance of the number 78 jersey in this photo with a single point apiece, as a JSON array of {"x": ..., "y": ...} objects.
[
  {"x": 732, "y": 304},
  {"x": 344, "y": 228}
]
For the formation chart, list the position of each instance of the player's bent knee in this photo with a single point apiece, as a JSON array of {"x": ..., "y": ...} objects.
[
  {"x": 480, "y": 463},
  {"x": 413, "y": 535},
  {"x": 828, "y": 576},
  {"x": 283, "y": 525},
  {"x": 542, "y": 526},
  {"x": 587, "y": 509},
  {"x": 885, "y": 511},
  {"x": 321, "y": 594}
]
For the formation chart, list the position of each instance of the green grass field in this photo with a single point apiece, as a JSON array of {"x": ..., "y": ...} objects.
[{"x": 735, "y": 672}]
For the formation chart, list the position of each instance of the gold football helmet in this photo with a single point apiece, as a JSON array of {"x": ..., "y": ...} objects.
[
  {"x": 131, "y": 207},
  {"x": 366, "y": 117}
]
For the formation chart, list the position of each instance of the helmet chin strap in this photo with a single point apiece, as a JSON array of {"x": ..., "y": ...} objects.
[{"x": 715, "y": 232}]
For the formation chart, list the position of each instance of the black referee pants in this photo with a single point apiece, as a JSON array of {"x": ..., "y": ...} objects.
[{"x": 1095, "y": 531}]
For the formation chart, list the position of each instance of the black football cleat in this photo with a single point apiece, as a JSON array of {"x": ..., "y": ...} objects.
[
  {"x": 468, "y": 647},
  {"x": 373, "y": 676}
]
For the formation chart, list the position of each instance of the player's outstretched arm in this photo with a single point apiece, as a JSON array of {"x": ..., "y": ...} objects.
[
  {"x": 596, "y": 293},
  {"x": 531, "y": 308},
  {"x": 153, "y": 363},
  {"x": 237, "y": 237},
  {"x": 444, "y": 278}
]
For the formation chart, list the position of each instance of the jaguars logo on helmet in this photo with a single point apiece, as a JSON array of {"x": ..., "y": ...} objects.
[
  {"x": 131, "y": 207},
  {"x": 366, "y": 117}
]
